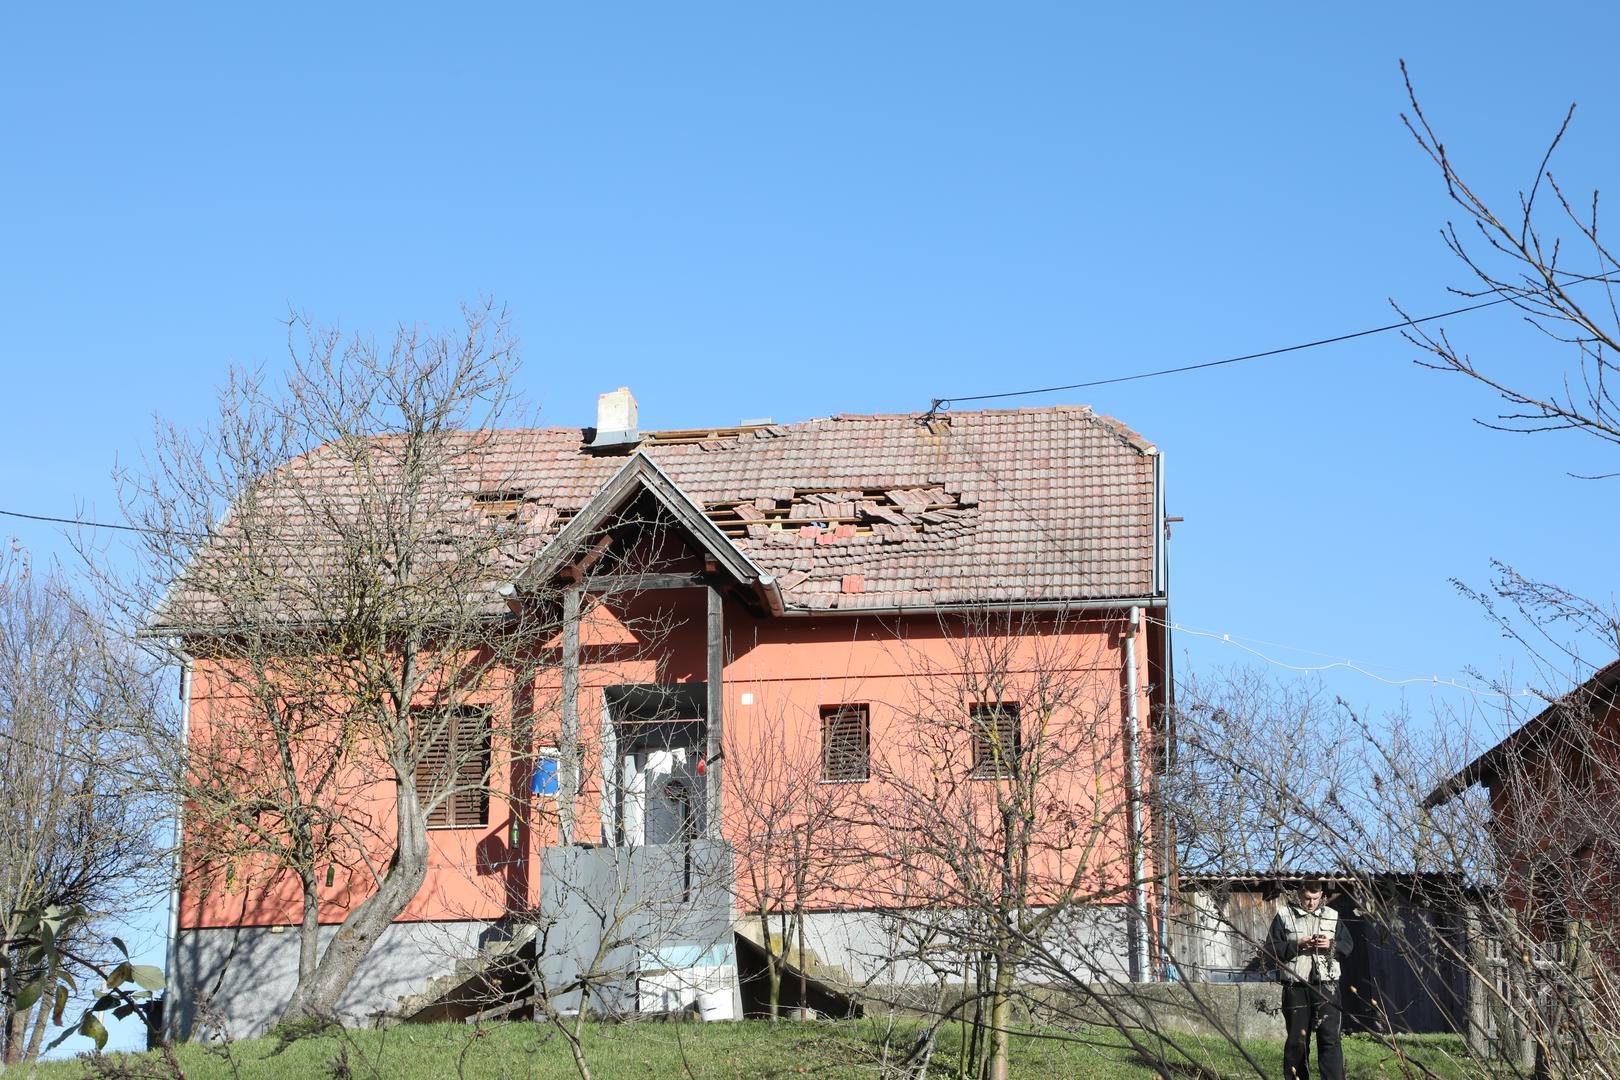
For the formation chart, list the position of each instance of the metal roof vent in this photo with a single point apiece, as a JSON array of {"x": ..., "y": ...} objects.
[{"x": 616, "y": 421}]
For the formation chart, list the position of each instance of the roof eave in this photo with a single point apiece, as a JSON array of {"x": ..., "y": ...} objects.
[{"x": 1603, "y": 683}]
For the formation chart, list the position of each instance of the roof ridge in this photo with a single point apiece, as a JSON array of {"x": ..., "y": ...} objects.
[{"x": 1083, "y": 410}]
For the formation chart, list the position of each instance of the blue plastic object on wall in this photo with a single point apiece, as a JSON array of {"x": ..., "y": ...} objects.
[{"x": 545, "y": 777}]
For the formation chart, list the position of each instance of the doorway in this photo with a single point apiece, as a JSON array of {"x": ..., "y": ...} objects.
[{"x": 655, "y": 734}]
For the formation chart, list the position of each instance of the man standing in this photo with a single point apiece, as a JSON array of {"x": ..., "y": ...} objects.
[{"x": 1307, "y": 942}]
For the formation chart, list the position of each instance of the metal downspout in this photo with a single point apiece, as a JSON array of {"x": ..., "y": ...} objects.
[
  {"x": 1167, "y": 722},
  {"x": 171, "y": 960},
  {"x": 1166, "y": 860},
  {"x": 1133, "y": 805}
]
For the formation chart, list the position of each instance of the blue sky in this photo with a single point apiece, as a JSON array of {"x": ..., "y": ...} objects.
[{"x": 753, "y": 210}]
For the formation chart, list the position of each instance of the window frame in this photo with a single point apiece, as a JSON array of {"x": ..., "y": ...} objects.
[
  {"x": 987, "y": 764},
  {"x": 835, "y": 714}
]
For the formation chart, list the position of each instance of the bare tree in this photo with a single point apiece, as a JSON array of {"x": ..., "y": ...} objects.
[
  {"x": 1540, "y": 833},
  {"x": 79, "y": 820},
  {"x": 1260, "y": 765},
  {"x": 1000, "y": 817},
  {"x": 791, "y": 792},
  {"x": 1546, "y": 835},
  {"x": 626, "y": 931},
  {"x": 1522, "y": 258},
  {"x": 324, "y": 559},
  {"x": 1490, "y": 909}
]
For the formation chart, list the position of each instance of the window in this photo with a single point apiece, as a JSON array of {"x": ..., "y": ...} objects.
[
  {"x": 460, "y": 745},
  {"x": 996, "y": 739},
  {"x": 846, "y": 742}
]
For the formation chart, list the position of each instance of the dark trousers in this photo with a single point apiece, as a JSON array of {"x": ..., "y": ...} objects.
[{"x": 1309, "y": 1007}]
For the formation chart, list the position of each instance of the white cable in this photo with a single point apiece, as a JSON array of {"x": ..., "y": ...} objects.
[{"x": 1338, "y": 663}]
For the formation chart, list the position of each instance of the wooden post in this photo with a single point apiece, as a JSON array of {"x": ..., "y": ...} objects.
[
  {"x": 608, "y": 773},
  {"x": 568, "y": 740},
  {"x": 716, "y": 725},
  {"x": 1477, "y": 982}
]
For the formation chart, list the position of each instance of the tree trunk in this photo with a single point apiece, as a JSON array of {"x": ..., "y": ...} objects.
[
  {"x": 36, "y": 1041},
  {"x": 998, "y": 1064},
  {"x": 316, "y": 998},
  {"x": 309, "y": 931},
  {"x": 804, "y": 979},
  {"x": 773, "y": 969},
  {"x": 576, "y": 1037},
  {"x": 14, "y": 1029}
]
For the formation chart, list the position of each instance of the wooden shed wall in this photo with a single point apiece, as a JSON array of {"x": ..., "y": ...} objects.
[{"x": 1401, "y": 975}]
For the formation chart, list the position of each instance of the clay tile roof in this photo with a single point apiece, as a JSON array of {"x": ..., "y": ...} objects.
[
  {"x": 1006, "y": 505},
  {"x": 995, "y": 506}
]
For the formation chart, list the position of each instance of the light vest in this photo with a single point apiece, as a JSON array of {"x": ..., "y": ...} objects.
[{"x": 1310, "y": 967}]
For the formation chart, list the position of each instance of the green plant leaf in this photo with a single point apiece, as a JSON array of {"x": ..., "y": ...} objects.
[
  {"x": 146, "y": 976},
  {"x": 29, "y": 994},
  {"x": 93, "y": 1027}
]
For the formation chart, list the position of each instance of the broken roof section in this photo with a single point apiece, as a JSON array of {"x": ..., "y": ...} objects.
[{"x": 865, "y": 513}]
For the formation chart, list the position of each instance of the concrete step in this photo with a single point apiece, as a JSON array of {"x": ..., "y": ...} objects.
[
  {"x": 812, "y": 964},
  {"x": 465, "y": 970}
]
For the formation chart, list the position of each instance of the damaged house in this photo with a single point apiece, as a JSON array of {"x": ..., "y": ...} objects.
[{"x": 899, "y": 610}]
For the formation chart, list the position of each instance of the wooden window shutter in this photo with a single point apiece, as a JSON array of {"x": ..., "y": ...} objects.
[
  {"x": 430, "y": 767},
  {"x": 846, "y": 742},
  {"x": 462, "y": 745},
  {"x": 996, "y": 738}
]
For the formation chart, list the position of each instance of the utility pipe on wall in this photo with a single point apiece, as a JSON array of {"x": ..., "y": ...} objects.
[
  {"x": 171, "y": 960},
  {"x": 1133, "y": 805}
]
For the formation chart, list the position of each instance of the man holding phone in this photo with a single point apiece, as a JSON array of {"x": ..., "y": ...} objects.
[{"x": 1307, "y": 943}]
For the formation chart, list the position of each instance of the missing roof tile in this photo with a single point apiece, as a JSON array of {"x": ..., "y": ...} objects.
[{"x": 891, "y": 513}]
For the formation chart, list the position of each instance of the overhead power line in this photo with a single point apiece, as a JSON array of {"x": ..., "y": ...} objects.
[
  {"x": 943, "y": 404},
  {"x": 76, "y": 521}
]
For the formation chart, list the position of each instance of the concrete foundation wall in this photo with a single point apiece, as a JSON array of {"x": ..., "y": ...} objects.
[
  {"x": 234, "y": 982},
  {"x": 873, "y": 953},
  {"x": 870, "y": 948},
  {"x": 1233, "y": 1011}
]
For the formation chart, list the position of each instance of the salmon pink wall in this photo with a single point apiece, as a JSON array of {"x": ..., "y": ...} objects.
[
  {"x": 469, "y": 868},
  {"x": 778, "y": 674}
]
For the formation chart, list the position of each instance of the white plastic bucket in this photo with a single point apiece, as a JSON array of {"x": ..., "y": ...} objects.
[{"x": 715, "y": 1005}]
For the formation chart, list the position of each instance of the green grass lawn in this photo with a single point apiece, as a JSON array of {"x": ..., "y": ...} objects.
[{"x": 826, "y": 1050}]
